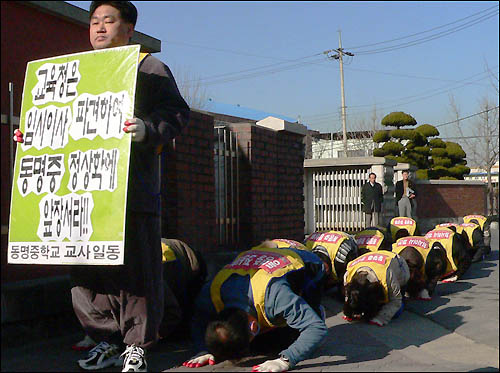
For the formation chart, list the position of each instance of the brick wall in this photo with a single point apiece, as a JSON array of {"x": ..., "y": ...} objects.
[
  {"x": 188, "y": 185},
  {"x": 271, "y": 184},
  {"x": 450, "y": 199}
]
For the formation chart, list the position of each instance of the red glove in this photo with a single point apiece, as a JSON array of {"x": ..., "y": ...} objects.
[{"x": 18, "y": 136}]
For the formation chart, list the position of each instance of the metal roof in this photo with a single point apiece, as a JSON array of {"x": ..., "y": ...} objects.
[{"x": 241, "y": 111}]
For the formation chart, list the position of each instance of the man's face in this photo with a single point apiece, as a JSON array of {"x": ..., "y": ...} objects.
[
  {"x": 372, "y": 178},
  {"x": 108, "y": 29},
  {"x": 405, "y": 175}
]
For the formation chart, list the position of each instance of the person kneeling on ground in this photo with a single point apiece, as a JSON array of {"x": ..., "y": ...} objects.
[
  {"x": 484, "y": 223},
  {"x": 373, "y": 239},
  {"x": 426, "y": 265},
  {"x": 262, "y": 289},
  {"x": 336, "y": 249},
  {"x": 374, "y": 287},
  {"x": 455, "y": 247},
  {"x": 402, "y": 227}
]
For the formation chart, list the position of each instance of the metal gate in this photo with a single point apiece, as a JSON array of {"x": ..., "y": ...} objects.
[
  {"x": 336, "y": 198},
  {"x": 227, "y": 211}
]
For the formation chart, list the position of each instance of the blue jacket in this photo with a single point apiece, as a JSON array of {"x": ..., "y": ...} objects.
[{"x": 282, "y": 300}]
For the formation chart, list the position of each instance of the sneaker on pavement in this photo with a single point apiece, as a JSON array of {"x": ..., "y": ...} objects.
[
  {"x": 134, "y": 359},
  {"x": 84, "y": 345},
  {"x": 101, "y": 356}
]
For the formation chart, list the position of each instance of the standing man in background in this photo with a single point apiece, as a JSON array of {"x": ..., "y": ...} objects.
[
  {"x": 371, "y": 198},
  {"x": 405, "y": 196}
]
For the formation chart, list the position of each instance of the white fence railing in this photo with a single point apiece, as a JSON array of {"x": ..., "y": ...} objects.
[{"x": 332, "y": 190}]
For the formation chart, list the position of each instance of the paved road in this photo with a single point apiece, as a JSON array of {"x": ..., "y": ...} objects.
[{"x": 458, "y": 330}]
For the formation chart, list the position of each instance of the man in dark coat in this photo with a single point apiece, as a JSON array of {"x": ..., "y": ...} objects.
[{"x": 372, "y": 197}]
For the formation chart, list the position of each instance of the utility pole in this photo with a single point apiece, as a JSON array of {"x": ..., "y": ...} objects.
[{"x": 340, "y": 52}]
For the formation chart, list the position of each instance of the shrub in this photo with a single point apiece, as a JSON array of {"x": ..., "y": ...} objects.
[
  {"x": 441, "y": 161},
  {"x": 437, "y": 143},
  {"x": 438, "y": 152},
  {"x": 393, "y": 148},
  {"x": 381, "y": 136},
  {"x": 454, "y": 150},
  {"x": 422, "y": 174},
  {"x": 427, "y": 130},
  {"x": 398, "y": 119},
  {"x": 424, "y": 150},
  {"x": 379, "y": 152}
]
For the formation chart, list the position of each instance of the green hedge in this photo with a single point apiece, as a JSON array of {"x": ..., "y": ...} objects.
[{"x": 398, "y": 119}]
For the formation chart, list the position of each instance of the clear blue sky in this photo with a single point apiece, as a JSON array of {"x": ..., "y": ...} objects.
[{"x": 210, "y": 40}]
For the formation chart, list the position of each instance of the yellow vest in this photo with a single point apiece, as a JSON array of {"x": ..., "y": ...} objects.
[
  {"x": 262, "y": 265},
  {"x": 378, "y": 262},
  {"x": 445, "y": 237},
  {"x": 168, "y": 254},
  {"x": 331, "y": 241},
  {"x": 480, "y": 219},
  {"x": 286, "y": 243},
  {"x": 402, "y": 223},
  {"x": 458, "y": 228},
  {"x": 469, "y": 228},
  {"x": 419, "y": 243},
  {"x": 370, "y": 239}
]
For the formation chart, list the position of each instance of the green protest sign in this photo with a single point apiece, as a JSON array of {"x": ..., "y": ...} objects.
[{"x": 69, "y": 191}]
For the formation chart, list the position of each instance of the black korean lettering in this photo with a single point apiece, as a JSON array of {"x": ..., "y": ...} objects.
[
  {"x": 51, "y": 84},
  {"x": 62, "y": 78},
  {"x": 70, "y": 81},
  {"x": 96, "y": 175},
  {"x": 40, "y": 94}
]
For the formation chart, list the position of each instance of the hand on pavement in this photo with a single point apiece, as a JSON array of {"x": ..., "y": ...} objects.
[
  {"x": 424, "y": 295},
  {"x": 200, "y": 360},
  {"x": 450, "y": 279},
  {"x": 137, "y": 128},
  {"x": 376, "y": 321},
  {"x": 276, "y": 365}
]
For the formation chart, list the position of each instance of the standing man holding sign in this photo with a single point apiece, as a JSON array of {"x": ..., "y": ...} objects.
[{"x": 124, "y": 304}]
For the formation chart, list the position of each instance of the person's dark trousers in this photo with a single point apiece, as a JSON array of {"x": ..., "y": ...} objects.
[{"x": 124, "y": 302}]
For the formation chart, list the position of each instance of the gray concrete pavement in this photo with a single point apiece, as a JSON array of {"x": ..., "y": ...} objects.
[{"x": 458, "y": 330}]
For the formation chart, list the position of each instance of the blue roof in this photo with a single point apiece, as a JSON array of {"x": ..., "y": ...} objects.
[{"x": 241, "y": 112}]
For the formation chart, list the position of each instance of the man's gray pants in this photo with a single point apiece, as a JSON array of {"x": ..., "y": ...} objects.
[
  {"x": 371, "y": 219},
  {"x": 404, "y": 207}
]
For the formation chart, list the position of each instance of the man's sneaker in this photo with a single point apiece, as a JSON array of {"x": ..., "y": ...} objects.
[
  {"x": 134, "y": 360},
  {"x": 84, "y": 345},
  {"x": 101, "y": 356}
]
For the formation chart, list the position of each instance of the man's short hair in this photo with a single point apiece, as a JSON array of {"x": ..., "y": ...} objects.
[
  {"x": 128, "y": 11},
  {"x": 227, "y": 337},
  {"x": 372, "y": 173},
  {"x": 407, "y": 171}
]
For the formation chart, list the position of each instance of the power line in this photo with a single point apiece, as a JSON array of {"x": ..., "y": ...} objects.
[
  {"x": 467, "y": 137},
  {"x": 439, "y": 90},
  {"x": 470, "y": 116},
  {"x": 423, "y": 32},
  {"x": 429, "y": 38}
]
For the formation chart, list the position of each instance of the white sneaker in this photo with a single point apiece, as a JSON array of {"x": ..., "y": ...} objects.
[
  {"x": 101, "y": 356},
  {"x": 134, "y": 359}
]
